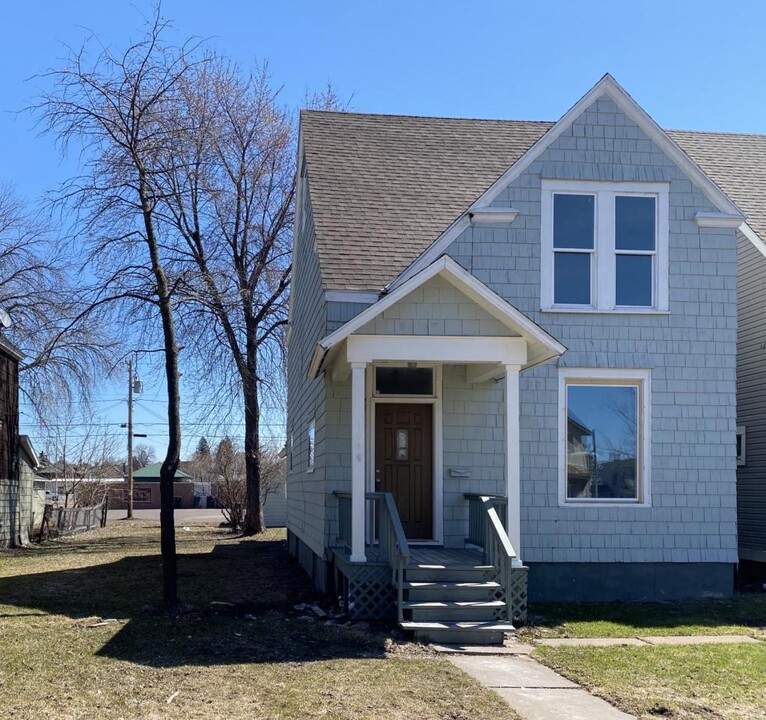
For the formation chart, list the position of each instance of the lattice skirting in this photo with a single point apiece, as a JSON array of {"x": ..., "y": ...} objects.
[
  {"x": 367, "y": 591},
  {"x": 519, "y": 594}
]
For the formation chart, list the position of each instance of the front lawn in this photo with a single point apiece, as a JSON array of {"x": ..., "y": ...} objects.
[
  {"x": 82, "y": 635},
  {"x": 727, "y": 682},
  {"x": 743, "y": 614}
]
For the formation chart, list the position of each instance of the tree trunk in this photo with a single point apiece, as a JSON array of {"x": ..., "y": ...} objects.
[
  {"x": 170, "y": 463},
  {"x": 254, "y": 523}
]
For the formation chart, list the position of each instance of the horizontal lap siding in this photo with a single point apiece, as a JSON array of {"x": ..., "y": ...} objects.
[
  {"x": 306, "y": 398},
  {"x": 751, "y": 396},
  {"x": 691, "y": 353}
]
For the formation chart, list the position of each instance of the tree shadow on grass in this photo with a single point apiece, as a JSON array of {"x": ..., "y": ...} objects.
[{"x": 258, "y": 578}]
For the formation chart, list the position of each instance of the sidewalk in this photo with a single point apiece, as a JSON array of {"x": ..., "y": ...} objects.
[{"x": 536, "y": 692}]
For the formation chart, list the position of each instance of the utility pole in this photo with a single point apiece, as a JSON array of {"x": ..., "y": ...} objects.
[{"x": 130, "y": 438}]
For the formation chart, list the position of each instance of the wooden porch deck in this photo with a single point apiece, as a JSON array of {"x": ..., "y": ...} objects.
[{"x": 432, "y": 556}]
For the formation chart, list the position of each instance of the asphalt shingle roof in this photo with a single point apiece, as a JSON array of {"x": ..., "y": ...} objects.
[
  {"x": 384, "y": 187},
  {"x": 152, "y": 472}
]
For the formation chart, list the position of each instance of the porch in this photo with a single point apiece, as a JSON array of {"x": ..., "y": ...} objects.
[{"x": 468, "y": 594}]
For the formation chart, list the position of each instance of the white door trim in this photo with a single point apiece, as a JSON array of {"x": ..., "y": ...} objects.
[{"x": 438, "y": 442}]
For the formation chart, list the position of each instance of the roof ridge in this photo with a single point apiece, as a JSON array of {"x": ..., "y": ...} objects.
[
  {"x": 309, "y": 111},
  {"x": 716, "y": 132},
  {"x": 408, "y": 116}
]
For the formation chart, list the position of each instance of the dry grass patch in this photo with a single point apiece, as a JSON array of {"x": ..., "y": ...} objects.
[
  {"x": 725, "y": 682},
  {"x": 60, "y": 660}
]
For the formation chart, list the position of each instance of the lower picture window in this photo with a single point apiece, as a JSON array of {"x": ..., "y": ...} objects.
[{"x": 604, "y": 457}]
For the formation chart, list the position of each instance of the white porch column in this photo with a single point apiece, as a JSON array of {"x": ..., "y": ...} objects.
[
  {"x": 358, "y": 485},
  {"x": 512, "y": 457}
]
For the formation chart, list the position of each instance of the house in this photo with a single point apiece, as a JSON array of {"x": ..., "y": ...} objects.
[
  {"x": 146, "y": 489},
  {"x": 18, "y": 460},
  {"x": 512, "y": 361}
]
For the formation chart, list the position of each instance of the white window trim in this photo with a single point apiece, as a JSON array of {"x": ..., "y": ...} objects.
[
  {"x": 645, "y": 445},
  {"x": 603, "y": 268},
  {"x": 742, "y": 457},
  {"x": 311, "y": 457}
]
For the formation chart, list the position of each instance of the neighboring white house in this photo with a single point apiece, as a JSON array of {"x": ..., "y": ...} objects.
[{"x": 527, "y": 321}]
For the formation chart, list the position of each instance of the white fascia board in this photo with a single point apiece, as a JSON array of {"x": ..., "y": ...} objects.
[
  {"x": 352, "y": 296},
  {"x": 717, "y": 220},
  {"x": 610, "y": 87},
  {"x": 753, "y": 237},
  {"x": 449, "y": 349},
  {"x": 492, "y": 215},
  {"x": 463, "y": 281}
]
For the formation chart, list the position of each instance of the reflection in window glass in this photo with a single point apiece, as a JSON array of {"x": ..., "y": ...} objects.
[
  {"x": 635, "y": 223},
  {"x": 404, "y": 381},
  {"x": 571, "y": 278},
  {"x": 312, "y": 444},
  {"x": 602, "y": 442},
  {"x": 573, "y": 221},
  {"x": 634, "y": 280},
  {"x": 402, "y": 444}
]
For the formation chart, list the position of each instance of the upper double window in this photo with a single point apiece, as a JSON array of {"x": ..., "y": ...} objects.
[{"x": 604, "y": 246}]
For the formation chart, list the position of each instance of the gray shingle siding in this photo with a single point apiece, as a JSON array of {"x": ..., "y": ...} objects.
[
  {"x": 690, "y": 352},
  {"x": 751, "y": 397},
  {"x": 306, "y": 398},
  {"x": 435, "y": 308}
]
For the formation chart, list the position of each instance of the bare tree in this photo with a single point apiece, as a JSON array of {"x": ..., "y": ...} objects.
[
  {"x": 65, "y": 350},
  {"x": 229, "y": 486},
  {"x": 228, "y": 192},
  {"x": 83, "y": 450},
  {"x": 143, "y": 455},
  {"x": 115, "y": 108}
]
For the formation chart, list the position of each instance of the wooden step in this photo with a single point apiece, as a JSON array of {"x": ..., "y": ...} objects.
[
  {"x": 452, "y": 610},
  {"x": 466, "y": 633},
  {"x": 451, "y": 573},
  {"x": 452, "y": 604},
  {"x": 480, "y": 586},
  {"x": 485, "y": 626},
  {"x": 449, "y": 591}
]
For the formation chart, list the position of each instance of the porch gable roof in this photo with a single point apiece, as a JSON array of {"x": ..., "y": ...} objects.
[{"x": 542, "y": 346}]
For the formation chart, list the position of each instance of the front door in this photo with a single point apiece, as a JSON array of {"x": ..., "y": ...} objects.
[{"x": 404, "y": 463}]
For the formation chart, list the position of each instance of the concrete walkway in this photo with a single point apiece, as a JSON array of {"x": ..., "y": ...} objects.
[
  {"x": 649, "y": 640},
  {"x": 536, "y": 692}
]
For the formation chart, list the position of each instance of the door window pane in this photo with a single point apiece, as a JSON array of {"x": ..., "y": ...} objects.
[
  {"x": 402, "y": 444},
  {"x": 573, "y": 221},
  {"x": 602, "y": 442},
  {"x": 635, "y": 223},
  {"x": 634, "y": 280},
  {"x": 404, "y": 381},
  {"x": 571, "y": 278}
]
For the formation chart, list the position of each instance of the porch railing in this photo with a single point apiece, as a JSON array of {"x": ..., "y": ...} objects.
[
  {"x": 477, "y": 516},
  {"x": 393, "y": 548},
  {"x": 392, "y": 543},
  {"x": 486, "y": 529},
  {"x": 344, "y": 518}
]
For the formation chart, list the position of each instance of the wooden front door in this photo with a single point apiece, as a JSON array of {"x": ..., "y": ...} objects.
[{"x": 404, "y": 463}]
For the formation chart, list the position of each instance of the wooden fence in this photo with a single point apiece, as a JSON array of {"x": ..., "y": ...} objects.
[{"x": 69, "y": 521}]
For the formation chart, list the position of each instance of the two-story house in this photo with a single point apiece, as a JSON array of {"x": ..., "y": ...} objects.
[{"x": 512, "y": 360}]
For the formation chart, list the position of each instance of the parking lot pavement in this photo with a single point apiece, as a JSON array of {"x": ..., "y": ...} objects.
[{"x": 181, "y": 517}]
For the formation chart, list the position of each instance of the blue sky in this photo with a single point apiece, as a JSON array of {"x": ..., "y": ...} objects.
[{"x": 696, "y": 65}]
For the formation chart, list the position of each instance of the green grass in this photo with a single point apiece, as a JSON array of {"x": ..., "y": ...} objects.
[
  {"x": 682, "y": 682},
  {"x": 56, "y": 660},
  {"x": 743, "y": 614}
]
